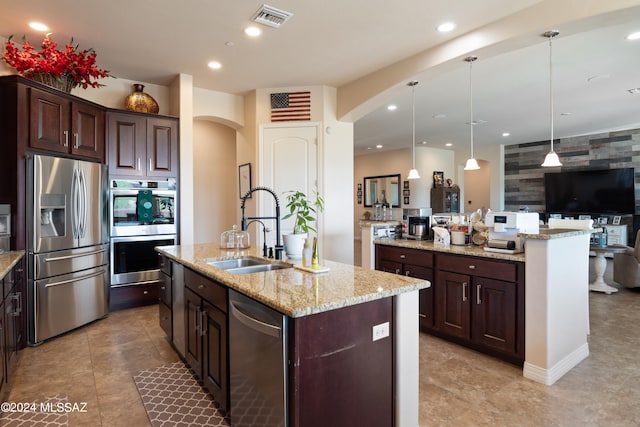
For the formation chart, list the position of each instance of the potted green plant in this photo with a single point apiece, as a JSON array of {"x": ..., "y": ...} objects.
[{"x": 304, "y": 211}]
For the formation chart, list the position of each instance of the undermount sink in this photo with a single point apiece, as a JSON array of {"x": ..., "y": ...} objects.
[{"x": 247, "y": 264}]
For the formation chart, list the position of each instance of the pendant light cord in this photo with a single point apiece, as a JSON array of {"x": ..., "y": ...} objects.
[
  {"x": 471, "y": 104},
  {"x": 413, "y": 123},
  {"x": 551, "y": 89}
]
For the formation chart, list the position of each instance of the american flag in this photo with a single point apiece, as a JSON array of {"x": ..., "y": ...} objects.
[{"x": 290, "y": 106}]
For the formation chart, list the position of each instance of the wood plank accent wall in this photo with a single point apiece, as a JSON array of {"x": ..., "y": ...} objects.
[{"x": 524, "y": 177}]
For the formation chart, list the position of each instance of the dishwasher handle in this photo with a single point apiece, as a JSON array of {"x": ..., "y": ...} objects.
[{"x": 251, "y": 322}]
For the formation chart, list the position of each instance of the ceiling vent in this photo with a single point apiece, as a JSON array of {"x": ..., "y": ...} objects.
[{"x": 269, "y": 15}]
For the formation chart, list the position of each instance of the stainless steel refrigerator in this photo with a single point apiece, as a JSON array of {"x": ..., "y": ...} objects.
[{"x": 68, "y": 274}]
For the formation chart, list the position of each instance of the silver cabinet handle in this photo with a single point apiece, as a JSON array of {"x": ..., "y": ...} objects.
[
  {"x": 203, "y": 323},
  {"x": 138, "y": 167},
  {"x": 407, "y": 273},
  {"x": 76, "y": 142},
  {"x": 397, "y": 271},
  {"x": 150, "y": 164},
  {"x": 402, "y": 256},
  {"x": 464, "y": 291},
  {"x": 478, "y": 289},
  {"x": 472, "y": 267},
  {"x": 66, "y": 138}
]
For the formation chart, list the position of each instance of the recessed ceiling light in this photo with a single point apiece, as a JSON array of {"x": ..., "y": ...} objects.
[
  {"x": 565, "y": 114},
  {"x": 505, "y": 134},
  {"x": 634, "y": 91},
  {"x": 252, "y": 31},
  {"x": 38, "y": 26},
  {"x": 215, "y": 65},
  {"x": 379, "y": 146},
  {"x": 439, "y": 116},
  {"x": 634, "y": 36},
  {"x": 392, "y": 107},
  {"x": 424, "y": 142},
  {"x": 445, "y": 27},
  {"x": 448, "y": 144},
  {"x": 230, "y": 44}
]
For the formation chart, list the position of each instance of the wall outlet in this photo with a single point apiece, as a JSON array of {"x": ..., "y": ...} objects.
[{"x": 380, "y": 331}]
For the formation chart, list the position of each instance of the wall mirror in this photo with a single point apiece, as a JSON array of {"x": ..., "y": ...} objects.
[{"x": 382, "y": 189}]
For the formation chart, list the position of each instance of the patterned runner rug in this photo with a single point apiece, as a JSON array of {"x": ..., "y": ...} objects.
[{"x": 173, "y": 397}]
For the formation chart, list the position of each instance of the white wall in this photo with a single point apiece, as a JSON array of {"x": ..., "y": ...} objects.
[{"x": 215, "y": 180}]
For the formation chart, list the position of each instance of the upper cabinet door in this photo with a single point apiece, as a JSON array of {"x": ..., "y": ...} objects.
[
  {"x": 61, "y": 125},
  {"x": 87, "y": 128},
  {"x": 162, "y": 147},
  {"x": 126, "y": 134},
  {"x": 142, "y": 146},
  {"x": 49, "y": 122}
]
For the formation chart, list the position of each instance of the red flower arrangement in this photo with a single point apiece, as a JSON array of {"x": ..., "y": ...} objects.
[{"x": 79, "y": 66}]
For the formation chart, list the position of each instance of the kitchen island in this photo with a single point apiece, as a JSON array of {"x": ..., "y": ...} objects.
[
  {"x": 351, "y": 337},
  {"x": 549, "y": 307}
]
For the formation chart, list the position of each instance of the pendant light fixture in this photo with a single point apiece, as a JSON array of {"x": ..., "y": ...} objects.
[
  {"x": 413, "y": 173},
  {"x": 551, "y": 159},
  {"x": 472, "y": 163}
]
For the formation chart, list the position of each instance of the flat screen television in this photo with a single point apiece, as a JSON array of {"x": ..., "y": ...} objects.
[{"x": 607, "y": 191}]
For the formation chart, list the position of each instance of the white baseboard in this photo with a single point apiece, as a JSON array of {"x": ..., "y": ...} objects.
[{"x": 550, "y": 376}]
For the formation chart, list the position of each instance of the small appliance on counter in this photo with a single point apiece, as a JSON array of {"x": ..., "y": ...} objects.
[
  {"x": 416, "y": 223},
  {"x": 5, "y": 228},
  {"x": 504, "y": 228}
]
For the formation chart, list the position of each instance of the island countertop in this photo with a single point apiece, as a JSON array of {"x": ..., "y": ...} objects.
[
  {"x": 473, "y": 250},
  {"x": 291, "y": 291},
  {"x": 8, "y": 260}
]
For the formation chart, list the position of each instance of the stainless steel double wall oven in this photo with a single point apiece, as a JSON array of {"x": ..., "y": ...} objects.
[{"x": 142, "y": 215}]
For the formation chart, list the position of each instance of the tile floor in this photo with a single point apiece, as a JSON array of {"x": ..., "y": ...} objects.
[{"x": 458, "y": 387}]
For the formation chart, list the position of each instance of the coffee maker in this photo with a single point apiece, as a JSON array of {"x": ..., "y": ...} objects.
[{"x": 416, "y": 223}]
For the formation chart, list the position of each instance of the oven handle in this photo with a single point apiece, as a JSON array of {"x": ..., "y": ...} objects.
[
  {"x": 75, "y": 279},
  {"x": 143, "y": 238},
  {"x": 61, "y": 258}
]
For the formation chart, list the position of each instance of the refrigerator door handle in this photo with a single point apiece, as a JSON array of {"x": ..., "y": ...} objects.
[
  {"x": 76, "y": 279},
  {"x": 83, "y": 204},
  {"x": 74, "y": 203},
  {"x": 62, "y": 258}
]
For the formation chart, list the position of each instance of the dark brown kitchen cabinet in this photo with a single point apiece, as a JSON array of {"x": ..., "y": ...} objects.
[
  {"x": 59, "y": 124},
  {"x": 142, "y": 146},
  {"x": 481, "y": 303},
  {"x": 413, "y": 263},
  {"x": 165, "y": 297},
  {"x": 445, "y": 199},
  {"x": 11, "y": 320},
  {"x": 206, "y": 334}
]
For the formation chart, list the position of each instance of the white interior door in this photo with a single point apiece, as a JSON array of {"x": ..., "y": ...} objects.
[{"x": 289, "y": 163}]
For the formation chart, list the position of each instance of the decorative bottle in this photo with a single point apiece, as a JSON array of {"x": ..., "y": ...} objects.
[{"x": 140, "y": 101}]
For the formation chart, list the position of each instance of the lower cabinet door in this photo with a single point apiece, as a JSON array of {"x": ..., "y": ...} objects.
[
  {"x": 426, "y": 295},
  {"x": 215, "y": 372},
  {"x": 193, "y": 339},
  {"x": 494, "y": 314},
  {"x": 453, "y": 304}
]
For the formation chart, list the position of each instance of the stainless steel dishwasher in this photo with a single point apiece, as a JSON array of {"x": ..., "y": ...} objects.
[{"x": 257, "y": 363}]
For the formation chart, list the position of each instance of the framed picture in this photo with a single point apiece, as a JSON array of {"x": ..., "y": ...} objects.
[
  {"x": 405, "y": 184},
  {"x": 603, "y": 220},
  {"x": 360, "y": 186},
  {"x": 406, "y": 200},
  {"x": 244, "y": 179},
  {"x": 616, "y": 220},
  {"x": 406, "y": 193}
]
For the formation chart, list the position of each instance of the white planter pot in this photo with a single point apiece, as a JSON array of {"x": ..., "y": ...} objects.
[{"x": 293, "y": 245}]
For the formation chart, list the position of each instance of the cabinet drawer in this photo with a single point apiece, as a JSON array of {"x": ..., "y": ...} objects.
[
  {"x": 165, "y": 318},
  {"x": 164, "y": 290},
  {"x": 478, "y": 267},
  {"x": 404, "y": 255},
  {"x": 133, "y": 296},
  {"x": 209, "y": 290}
]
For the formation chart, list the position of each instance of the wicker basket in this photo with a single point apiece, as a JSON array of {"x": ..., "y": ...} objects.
[{"x": 64, "y": 82}]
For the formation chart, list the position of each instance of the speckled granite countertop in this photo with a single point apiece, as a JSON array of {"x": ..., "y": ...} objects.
[
  {"x": 473, "y": 250},
  {"x": 8, "y": 260},
  {"x": 373, "y": 223},
  {"x": 294, "y": 292}
]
